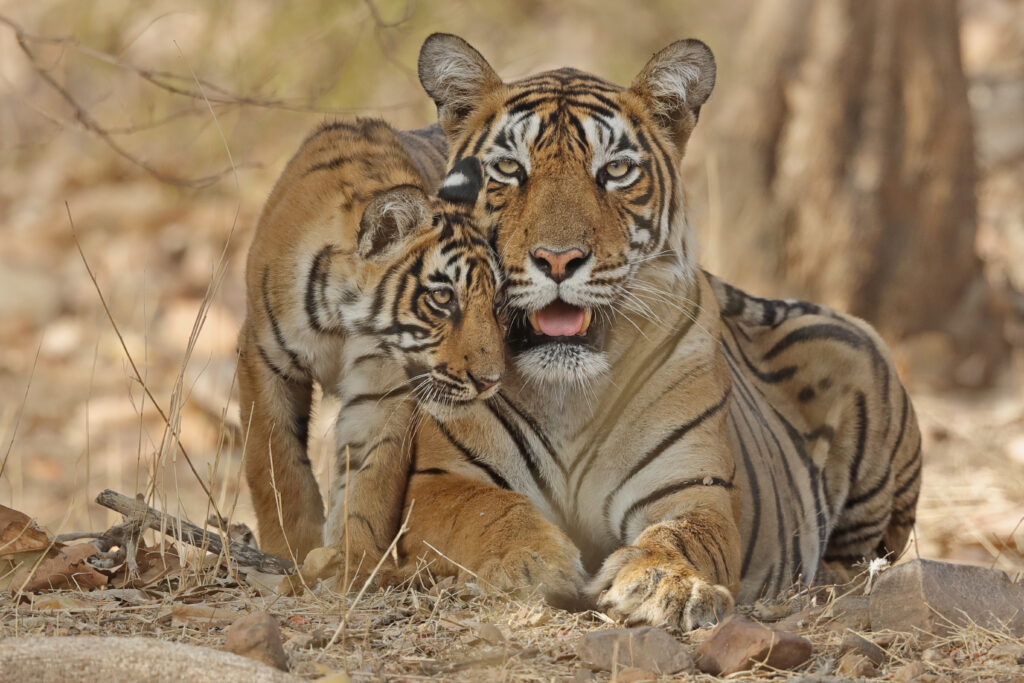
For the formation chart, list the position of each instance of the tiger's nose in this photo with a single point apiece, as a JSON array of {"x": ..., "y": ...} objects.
[
  {"x": 559, "y": 265},
  {"x": 482, "y": 384}
]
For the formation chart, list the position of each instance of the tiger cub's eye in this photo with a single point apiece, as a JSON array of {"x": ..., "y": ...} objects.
[
  {"x": 441, "y": 296},
  {"x": 508, "y": 166},
  {"x": 616, "y": 169}
]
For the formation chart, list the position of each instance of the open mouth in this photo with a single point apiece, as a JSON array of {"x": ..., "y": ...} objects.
[
  {"x": 559, "y": 319},
  {"x": 559, "y": 323}
]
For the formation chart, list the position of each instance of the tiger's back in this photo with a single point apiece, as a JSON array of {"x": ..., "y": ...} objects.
[{"x": 827, "y": 441}]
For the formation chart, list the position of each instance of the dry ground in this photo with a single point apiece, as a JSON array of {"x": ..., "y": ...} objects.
[{"x": 74, "y": 418}]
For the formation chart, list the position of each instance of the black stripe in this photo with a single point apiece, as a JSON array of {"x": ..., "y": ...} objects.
[
  {"x": 471, "y": 457},
  {"x": 273, "y": 368},
  {"x": 431, "y": 471},
  {"x": 312, "y": 279},
  {"x": 667, "y": 491},
  {"x": 862, "y": 438},
  {"x": 826, "y": 331},
  {"x": 526, "y": 453},
  {"x": 535, "y": 427},
  {"x": 275, "y": 328},
  {"x": 336, "y": 162},
  {"x": 366, "y": 398},
  {"x": 665, "y": 443},
  {"x": 913, "y": 477}
]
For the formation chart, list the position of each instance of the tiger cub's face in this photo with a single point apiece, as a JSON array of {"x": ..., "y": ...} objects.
[
  {"x": 427, "y": 283},
  {"x": 583, "y": 188}
]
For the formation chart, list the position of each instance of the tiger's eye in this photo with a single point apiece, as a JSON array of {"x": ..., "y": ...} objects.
[
  {"x": 441, "y": 296},
  {"x": 508, "y": 166},
  {"x": 616, "y": 169}
]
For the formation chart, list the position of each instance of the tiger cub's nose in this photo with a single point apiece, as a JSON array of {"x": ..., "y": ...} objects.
[
  {"x": 482, "y": 384},
  {"x": 559, "y": 265}
]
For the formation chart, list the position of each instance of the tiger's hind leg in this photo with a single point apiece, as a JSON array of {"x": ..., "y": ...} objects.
[
  {"x": 275, "y": 411},
  {"x": 878, "y": 512}
]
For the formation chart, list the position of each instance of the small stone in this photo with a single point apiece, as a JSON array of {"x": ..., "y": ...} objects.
[
  {"x": 644, "y": 648},
  {"x": 257, "y": 636},
  {"x": 738, "y": 644},
  {"x": 853, "y": 665},
  {"x": 858, "y": 644},
  {"x": 935, "y": 597},
  {"x": 911, "y": 671},
  {"x": 634, "y": 675}
]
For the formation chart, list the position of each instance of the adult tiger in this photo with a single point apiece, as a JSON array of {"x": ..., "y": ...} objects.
[
  {"x": 691, "y": 443},
  {"x": 355, "y": 274}
]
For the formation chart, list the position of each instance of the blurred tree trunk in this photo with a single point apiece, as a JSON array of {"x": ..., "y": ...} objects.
[{"x": 847, "y": 167}]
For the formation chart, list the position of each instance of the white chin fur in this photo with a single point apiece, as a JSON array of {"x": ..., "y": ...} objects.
[{"x": 564, "y": 365}]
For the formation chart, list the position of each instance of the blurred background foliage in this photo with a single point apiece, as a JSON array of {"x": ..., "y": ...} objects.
[{"x": 160, "y": 127}]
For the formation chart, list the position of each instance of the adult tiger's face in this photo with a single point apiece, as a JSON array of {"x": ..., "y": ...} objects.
[
  {"x": 427, "y": 286},
  {"x": 583, "y": 187}
]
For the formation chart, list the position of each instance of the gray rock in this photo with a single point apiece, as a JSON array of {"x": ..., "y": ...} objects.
[
  {"x": 935, "y": 597},
  {"x": 739, "y": 644},
  {"x": 257, "y": 636},
  {"x": 643, "y": 648}
]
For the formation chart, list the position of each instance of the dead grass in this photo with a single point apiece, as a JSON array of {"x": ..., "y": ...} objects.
[{"x": 449, "y": 631}]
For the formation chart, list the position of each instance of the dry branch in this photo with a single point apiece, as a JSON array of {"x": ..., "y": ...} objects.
[{"x": 183, "y": 531}]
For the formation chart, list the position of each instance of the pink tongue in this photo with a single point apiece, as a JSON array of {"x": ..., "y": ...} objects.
[{"x": 560, "y": 319}]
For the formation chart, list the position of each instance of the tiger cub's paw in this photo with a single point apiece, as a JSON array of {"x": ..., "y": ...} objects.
[
  {"x": 549, "y": 564},
  {"x": 640, "y": 586}
]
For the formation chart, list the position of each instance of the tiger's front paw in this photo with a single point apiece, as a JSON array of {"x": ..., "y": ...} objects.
[
  {"x": 650, "y": 587},
  {"x": 549, "y": 564}
]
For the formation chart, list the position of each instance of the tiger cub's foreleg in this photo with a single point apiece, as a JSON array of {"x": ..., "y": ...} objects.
[
  {"x": 373, "y": 442},
  {"x": 275, "y": 419},
  {"x": 495, "y": 533}
]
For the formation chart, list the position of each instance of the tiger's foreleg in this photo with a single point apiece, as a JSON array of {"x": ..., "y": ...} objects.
[
  {"x": 458, "y": 523},
  {"x": 683, "y": 569},
  {"x": 275, "y": 410}
]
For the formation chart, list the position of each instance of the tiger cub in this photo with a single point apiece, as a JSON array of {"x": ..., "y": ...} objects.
[{"x": 355, "y": 273}]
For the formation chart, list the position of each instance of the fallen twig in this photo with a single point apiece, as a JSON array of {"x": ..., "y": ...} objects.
[{"x": 183, "y": 531}]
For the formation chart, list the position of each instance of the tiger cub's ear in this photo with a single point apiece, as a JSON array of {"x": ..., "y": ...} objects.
[
  {"x": 456, "y": 77},
  {"x": 388, "y": 218},
  {"x": 676, "y": 82},
  {"x": 463, "y": 183}
]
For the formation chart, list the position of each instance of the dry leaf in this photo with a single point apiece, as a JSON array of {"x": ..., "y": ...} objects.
[
  {"x": 66, "y": 568},
  {"x": 200, "y": 615},
  {"x": 23, "y": 545},
  {"x": 266, "y": 584},
  {"x": 19, "y": 534},
  {"x": 62, "y": 601}
]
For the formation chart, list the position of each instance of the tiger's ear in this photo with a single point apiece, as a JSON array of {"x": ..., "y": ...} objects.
[
  {"x": 675, "y": 83},
  {"x": 456, "y": 77},
  {"x": 389, "y": 218},
  {"x": 464, "y": 182}
]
